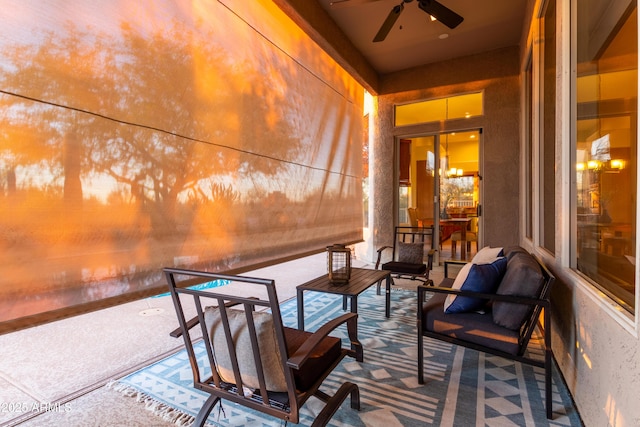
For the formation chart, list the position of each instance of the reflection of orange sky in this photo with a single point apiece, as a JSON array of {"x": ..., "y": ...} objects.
[
  {"x": 271, "y": 118},
  {"x": 22, "y": 20},
  {"x": 247, "y": 46}
]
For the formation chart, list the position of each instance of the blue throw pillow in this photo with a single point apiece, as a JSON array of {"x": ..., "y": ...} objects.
[{"x": 477, "y": 278}]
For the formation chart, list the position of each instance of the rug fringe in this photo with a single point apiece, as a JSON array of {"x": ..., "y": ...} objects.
[{"x": 160, "y": 409}]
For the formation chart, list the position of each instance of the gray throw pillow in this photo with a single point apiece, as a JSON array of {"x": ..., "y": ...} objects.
[
  {"x": 522, "y": 278},
  {"x": 269, "y": 353},
  {"x": 411, "y": 253}
]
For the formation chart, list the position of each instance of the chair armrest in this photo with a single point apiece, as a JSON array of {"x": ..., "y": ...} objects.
[
  {"x": 430, "y": 255},
  {"x": 304, "y": 351},
  {"x": 494, "y": 297},
  {"x": 380, "y": 254},
  {"x": 452, "y": 262}
]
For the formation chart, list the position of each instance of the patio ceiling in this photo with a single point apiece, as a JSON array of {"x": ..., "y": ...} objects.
[{"x": 346, "y": 28}]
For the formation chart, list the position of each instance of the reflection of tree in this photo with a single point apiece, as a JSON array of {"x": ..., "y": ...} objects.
[
  {"x": 20, "y": 145},
  {"x": 71, "y": 165},
  {"x": 112, "y": 141},
  {"x": 169, "y": 85},
  {"x": 452, "y": 188},
  {"x": 60, "y": 71}
]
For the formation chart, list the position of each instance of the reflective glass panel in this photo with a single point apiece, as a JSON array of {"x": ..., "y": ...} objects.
[
  {"x": 606, "y": 146},
  {"x": 433, "y": 110}
]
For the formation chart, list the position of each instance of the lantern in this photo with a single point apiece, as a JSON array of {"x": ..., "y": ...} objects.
[{"x": 338, "y": 264}]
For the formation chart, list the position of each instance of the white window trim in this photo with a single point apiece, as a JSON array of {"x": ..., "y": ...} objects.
[{"x": 567, "y": 43}]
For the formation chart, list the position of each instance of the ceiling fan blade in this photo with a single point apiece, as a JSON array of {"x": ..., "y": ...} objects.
[
  {"x": 442, "y": 13},
  {"x": 387, "y": 25}
]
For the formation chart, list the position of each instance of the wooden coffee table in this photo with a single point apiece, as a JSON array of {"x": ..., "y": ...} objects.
[{"x": 361, "y": 279}]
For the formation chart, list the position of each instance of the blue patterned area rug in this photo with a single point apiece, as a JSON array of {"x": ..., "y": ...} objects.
[{"x": 462, "y": 387}]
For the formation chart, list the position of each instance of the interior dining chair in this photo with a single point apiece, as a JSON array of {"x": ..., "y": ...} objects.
[
  {"x": 251, "y": 358},
  {"x": 471, "y": 236},
  {"x": 413, "y": 217}
]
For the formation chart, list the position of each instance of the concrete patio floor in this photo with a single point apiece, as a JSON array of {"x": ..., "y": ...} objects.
[{"x": 55, "y": 374}]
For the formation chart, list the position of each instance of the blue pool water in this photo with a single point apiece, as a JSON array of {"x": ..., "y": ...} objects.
[{"x": 201, "y": 287}]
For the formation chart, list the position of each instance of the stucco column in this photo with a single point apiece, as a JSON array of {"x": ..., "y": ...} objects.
[{"x": 381, "y": 181}]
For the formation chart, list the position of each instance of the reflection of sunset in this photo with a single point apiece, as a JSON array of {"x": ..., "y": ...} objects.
[{"x": 208, "y": 134}]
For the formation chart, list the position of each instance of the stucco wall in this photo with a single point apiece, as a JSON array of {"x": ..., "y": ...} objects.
[
  {"x": 496, "y": 74},
  {"x": 597, "y": 350}
]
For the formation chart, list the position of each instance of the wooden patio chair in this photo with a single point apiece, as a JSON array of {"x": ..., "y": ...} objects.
[{"x": 252, "y": 359}]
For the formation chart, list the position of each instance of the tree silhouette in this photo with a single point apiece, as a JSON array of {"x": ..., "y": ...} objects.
[
  {"x": 40, "y": 126},
  {"x": 154, "y": 113},
  {"x": 127, "y": 150}
]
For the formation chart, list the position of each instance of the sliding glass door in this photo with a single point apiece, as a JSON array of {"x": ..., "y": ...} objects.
[{"x": 439, "y": 186}]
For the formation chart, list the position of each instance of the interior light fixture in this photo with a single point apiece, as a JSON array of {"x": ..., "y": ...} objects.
[
  {"x": 580, "y": 166},
  {"x": 454, "y": 172},
  {"x": 617, "y": 164}
]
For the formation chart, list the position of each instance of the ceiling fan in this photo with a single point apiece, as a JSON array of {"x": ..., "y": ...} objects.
[{"x": 437, "y": 10}]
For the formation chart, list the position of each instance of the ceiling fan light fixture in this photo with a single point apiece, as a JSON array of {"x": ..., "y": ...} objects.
[
  {"x": 442, "y": 13},
  {"x": 435, "y": 10}
]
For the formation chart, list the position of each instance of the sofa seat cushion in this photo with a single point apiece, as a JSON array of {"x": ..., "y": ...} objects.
[
  {"x": 471, "y": 327},
  {"x": 405, "y": 267},
  {"x": 522, "y": 278}
]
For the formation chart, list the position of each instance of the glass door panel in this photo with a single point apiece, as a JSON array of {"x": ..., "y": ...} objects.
[
  {"x": 459, "y": 192},
  {"x": 441, "y": 182},
  {"x": 416, "y": 181}
]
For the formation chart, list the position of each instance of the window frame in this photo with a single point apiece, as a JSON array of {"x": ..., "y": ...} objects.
[
  {"x": 617, "y": 308},
  {"x": 547, "y": 127}
]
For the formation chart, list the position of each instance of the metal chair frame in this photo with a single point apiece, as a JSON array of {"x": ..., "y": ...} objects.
[
  {"x": 409, "y": 235},
  {"x": 287, "y": 408},
  {"x": 541, "y": 307}
]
